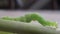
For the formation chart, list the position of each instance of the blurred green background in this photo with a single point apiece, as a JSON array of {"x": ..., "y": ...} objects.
[{"x": 1, "y": 32}]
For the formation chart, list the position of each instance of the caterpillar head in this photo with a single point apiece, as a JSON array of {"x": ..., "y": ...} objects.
[{"x": 52, "y": 24}]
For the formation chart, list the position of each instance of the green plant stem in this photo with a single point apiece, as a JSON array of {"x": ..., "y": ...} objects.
[{"x": 26, "y": 28}]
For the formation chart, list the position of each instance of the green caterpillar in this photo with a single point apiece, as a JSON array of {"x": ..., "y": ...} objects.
[{"x": 29, "y": 17}]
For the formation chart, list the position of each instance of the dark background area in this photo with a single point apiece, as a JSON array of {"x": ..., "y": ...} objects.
[{"x": 30, "y": 4}]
